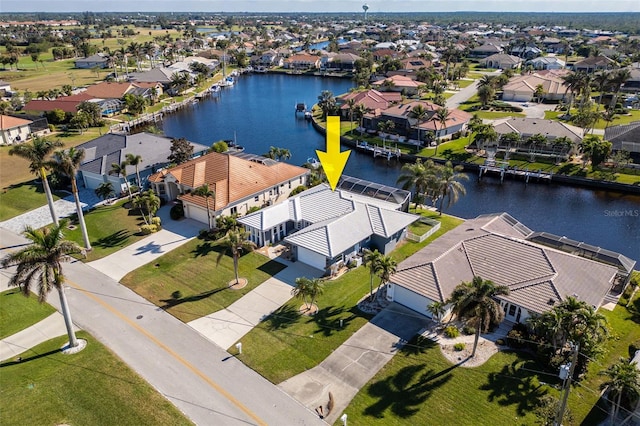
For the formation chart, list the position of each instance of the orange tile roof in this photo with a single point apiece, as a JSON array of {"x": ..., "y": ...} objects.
[
  {"x": 8, "y": 122},
  {"x": 109, "y": 90},
  {"x": 230, "y": 177}
]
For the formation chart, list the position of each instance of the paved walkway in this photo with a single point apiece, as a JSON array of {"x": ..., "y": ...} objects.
[
  {"x": 50, "y": 327},
  {"x": 356, "y": 361},
  {"x": 172, "y": 235},
  {"x": 228, "y": 325}
]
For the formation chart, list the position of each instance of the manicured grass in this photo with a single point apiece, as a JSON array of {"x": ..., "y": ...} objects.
[
  {"x": 110, "y": 228},
  {"x": 92, "y": 387},
  {"x": 286, "y": 343},
  {"x": 191, "y": 270},
  {"x": 493, "y": 115},
  {"x": 21, "y": 198},
  {"x": 18, "y": 312},
  {"x": 419, "y": 386},
  {"x": 419, "y": 228},
  {"x": 618, "y": 120},
  {"x": 464, "y": 83},
  {"x": 624, "y": 324}
]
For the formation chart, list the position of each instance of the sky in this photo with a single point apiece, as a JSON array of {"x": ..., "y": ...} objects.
[{"x": 375, "y": 6}]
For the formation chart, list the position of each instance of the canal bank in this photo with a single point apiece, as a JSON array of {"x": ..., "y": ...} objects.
[{"x": 476, "y": 168}]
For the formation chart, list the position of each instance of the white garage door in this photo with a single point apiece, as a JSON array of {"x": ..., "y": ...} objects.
[
  {"x": 411, "y": 300},
  {"x": 311, "y": 258},
  {"x": 196, "y": 213}
]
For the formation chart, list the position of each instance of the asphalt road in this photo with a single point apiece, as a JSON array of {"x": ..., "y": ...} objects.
[{"x": 204, "y": 381}]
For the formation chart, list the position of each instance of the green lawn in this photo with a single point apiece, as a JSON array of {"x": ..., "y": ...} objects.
[
  {"x": 92, "y": 387},
  {"x": 191, "y": 270},
  {"x": 21, "y": 198},
  {"x": 286, "y": 343},
  {"x": 419, "y": 386},
  {"x": 493, "y": 115},
  {"x": 419, "y": 228},
  {"x": 110, "y": 228},
  {"x": 18, "y": 312}
]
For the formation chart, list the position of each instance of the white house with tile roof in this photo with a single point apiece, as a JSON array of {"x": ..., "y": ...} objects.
[
  {"x": 497, "y": 247},
  {"x": 326, "y": 228}
]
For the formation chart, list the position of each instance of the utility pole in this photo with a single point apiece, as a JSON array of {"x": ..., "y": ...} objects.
[{"x": 566, "y": 373}]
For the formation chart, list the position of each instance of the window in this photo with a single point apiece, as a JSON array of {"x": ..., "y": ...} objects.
[
  {"x": 512, "y": 310},
  {"x": 234, "y": 210},
  {"x": 256, "y": 198},
  {"x": 300, "y": 180},
  {"x": 289, "y": 184}
]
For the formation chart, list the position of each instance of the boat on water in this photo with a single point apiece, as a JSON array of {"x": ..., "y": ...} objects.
[
  {"x": 313, "y": 162},
  {"x": 215, "y": 88},
  {"x": 308, "y": 115},
  {"x": 229, "y": 81}
]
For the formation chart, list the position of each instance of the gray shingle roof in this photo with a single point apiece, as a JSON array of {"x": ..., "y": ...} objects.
[{"x": 537, "y": 276}]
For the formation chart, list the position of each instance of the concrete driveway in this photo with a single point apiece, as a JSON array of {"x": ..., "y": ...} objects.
[{"x": 356, "y": 361}]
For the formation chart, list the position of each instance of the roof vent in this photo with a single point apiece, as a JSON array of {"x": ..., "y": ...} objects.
[{"x": 551, "y": 301}]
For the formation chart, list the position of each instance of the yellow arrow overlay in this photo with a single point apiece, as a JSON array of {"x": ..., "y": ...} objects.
[{"x": 333, "y": 161}]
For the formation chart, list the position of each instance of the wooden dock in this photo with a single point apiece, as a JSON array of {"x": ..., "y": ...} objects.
[
  {"x": 148, "y": 118},
  {"x": 502, "y": 169},
  {"x": 377, "y": 151}
]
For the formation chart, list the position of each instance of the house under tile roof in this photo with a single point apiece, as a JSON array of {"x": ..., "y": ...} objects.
[
  {"x": 495, "y": 247},
  {"x": 625, "y": 137},
  {"x": 531, "y": 126}
]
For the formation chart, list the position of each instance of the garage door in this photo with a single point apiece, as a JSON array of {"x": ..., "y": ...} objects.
[
  {"x": 411, "y": 300},
  {"x": 196, "y": 213},
  {"x": 311, "y": 258}
]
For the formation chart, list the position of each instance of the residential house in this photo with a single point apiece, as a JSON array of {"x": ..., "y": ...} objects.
[
  {"x": 160, "y": 75},
  {"x": 102, "y": 152},
  {"x": 5, "y": 89},
  {"x": 522, "y": 88},
  {"x": 501, "y": 61},
  {"x": 372, "y": 100},
  {"x": 541, "y": 270},
  {"x": 99, "y": 60},
  {"x": 625, "y": 137},
  {"x": 380, "y": 54},
  {"x": 313, "y": 223},
  {"x": 407, "y": 126},
  {"x": 14, "y": 130},
  {"x": 552, "y": 130},
  {"x": 343, "y": 61},
  {"x": 526, "y": 52},
  {"x": 593, "y": 64},
  {"x": 397, "y": 83},
  {"x": 547, "y": 63},
  {"x": 109, "y": 94},
  {"x": 268, "y": 59},
  {"x": 241, "y": 181},
  {"x": 485, "y": 50},
  {"x": 302, "y": 61},
  {"x": 68, "y": 104},
  {"x": 632, "y": 85}
]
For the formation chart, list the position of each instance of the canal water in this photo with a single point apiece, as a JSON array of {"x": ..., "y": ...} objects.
[{"x": 259, "y": 112}]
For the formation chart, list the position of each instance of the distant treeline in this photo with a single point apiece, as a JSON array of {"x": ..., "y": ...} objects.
[{"x": 626, "y": 22}]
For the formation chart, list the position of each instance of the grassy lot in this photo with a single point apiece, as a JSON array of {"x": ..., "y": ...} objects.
[
  {"x": 92, "y": 387},
  {"x": 110, "y": 228},
  {"x": 203, "y": 287},
  {"x": 15, "y": 170},
  {"x": 419, "y": 228},
  {"x": 286, "y": 343},
  {"x": 493, "y": 115},
  {"x": 419, "y": 386},
  {"x": 18, "y": 312},
  {"x": 21, "y": 198},
  {"x": 633, "y": 115}
]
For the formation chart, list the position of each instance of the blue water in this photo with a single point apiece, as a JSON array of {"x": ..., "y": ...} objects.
[{"x": 260, "y": 110}]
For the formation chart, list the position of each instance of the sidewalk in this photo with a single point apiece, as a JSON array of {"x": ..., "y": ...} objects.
[{"x": 50, "y": 327}]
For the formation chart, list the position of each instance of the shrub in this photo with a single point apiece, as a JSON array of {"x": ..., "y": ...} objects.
[
  {"x": 297, "y": 190},
  {"x": 459, "y": 346},
  {"x": 468, "y": 330},
  {"x": 176, "y": 212},
  {"x": 156, "y": 221},
  {"x": 500, "y": 342},
  {"x": 451, "y": 331},
  {"x": 514, "y": 338},
  {"x": 352, "y": 264},
  {"x": 148, "y": 229}
]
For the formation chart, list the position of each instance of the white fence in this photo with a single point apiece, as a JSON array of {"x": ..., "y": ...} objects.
[{"x": 435, "y": 225}]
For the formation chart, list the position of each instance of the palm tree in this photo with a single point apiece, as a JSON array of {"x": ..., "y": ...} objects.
[
  {"x": 419, "y": 112},
  {"x": 301, "y": 290},
  {"x": 206, "y": 192},
  {"x": 617, "y": 80},
  {"x": 148, "y": 203},
  {"x": 601, "y": 80},
  {"x": 572, "y": 82},
  {"x": 420, "y": 177},
  {"x": 351, "y": 104},
  {"x": 236, "y": 242},
  {"x": 476, "y": 300},
  {"x": 385, "y": 127},
  {"x": 68, "y": 162},
  {"x": 371, "y": 259},
  {"x": 135, "y": 160},
  {"x": 121, "y": 170},
  {"x": 442, "y": 114},
  {"x": 360, "y": 111},
  {"x": 387, "y": 266},
  {"x": 437, "y": 310},
  {"x": 36, "y": 152},
  {"x": 40, "y": 264},
  {"x": 104, "y": 190},
  {"x": 624, "y": 381},
  {"x": 449, "y": 183}
]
